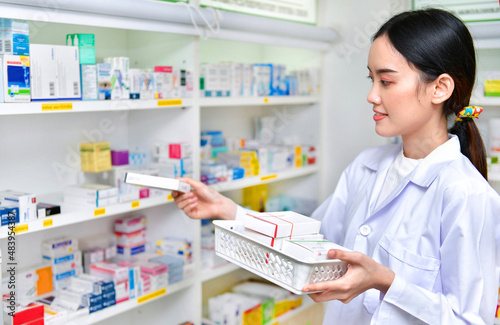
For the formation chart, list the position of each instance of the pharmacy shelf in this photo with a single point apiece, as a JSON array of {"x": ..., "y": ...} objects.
[
  {"x": 133, "y": 303},
  {"x": 219, "y": 271},
  {"x": 270, "y": 178},
  {"x": 306, "y": 303},
  {"x": 50, "y": 107},
  {"x": 77, "y": 215},
  {"x": 258, "y": 101}
]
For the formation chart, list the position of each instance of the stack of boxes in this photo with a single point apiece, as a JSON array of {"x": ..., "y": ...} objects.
[
  {"x": 274, "y": 228},
  {"x": 175, "y": 266},
  {"x": 118, "y": 275},
  {"x": 64, "y": 257},
  {"x": 130, "y": 234},
  {"x": 181, "y": 248},
  {"x": 174, "y": 159},
  {"x": 91, "y": 195}
]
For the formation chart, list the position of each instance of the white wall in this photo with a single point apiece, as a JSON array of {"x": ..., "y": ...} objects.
[{"x": 349, "y": 124}]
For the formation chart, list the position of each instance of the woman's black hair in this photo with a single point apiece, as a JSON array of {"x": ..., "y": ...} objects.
[{"x": 436, "y": 42}]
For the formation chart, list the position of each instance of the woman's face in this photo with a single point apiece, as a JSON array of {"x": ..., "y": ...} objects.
[{"x": 400, "y": 102}]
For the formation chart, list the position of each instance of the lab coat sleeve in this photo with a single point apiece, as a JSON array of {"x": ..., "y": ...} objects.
[
  {"x": 469, "y": 276},
  {"x": 331, "y": 212}
]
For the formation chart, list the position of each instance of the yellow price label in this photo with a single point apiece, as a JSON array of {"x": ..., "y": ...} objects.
[
  {"x": 47, "y": 222},
  {"x": 21, "y": 228},
  {"x": 268, "y": 177},
  {"x": 135, "y": 204},
  {"x": 170, "y": 197},
  {"x": 57, "y": 107},
  {"x": 266, "y": 100},
  {"x": 169, "y": 102},
  {"x": 152, "y": 295},
  {"x": 99, "y": 212}
]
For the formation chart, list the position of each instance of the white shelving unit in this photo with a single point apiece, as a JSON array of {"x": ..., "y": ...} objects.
[{"x": 41, "y": 155}]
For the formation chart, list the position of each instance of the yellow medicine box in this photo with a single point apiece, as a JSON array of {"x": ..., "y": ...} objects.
[{"x": 95, "y": 156}]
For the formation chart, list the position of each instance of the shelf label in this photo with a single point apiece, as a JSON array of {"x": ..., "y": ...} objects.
[
  {"x": 169, "y": 102},
  {"x": 99, "y": 212},
  {"x": 135, "y": 204},
  {"x": 47, "y": 223},
  {"x": 57, "y": 107},
  {"x": 170, "y": 197},
  {"x": 266, "y": 100},
  {"x": 152, "y": 295},
  {"x": 21, "y": 228},
  {"x": 268, "y": 177}
]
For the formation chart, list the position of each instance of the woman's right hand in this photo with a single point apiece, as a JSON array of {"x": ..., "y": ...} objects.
[{"x": 204, "y": 202}]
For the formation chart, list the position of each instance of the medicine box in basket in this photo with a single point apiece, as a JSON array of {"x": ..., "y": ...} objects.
[
  {"x": 281, "y": 224},
  {"x": 309, "y": 250}
]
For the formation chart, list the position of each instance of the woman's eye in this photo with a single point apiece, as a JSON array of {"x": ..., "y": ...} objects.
[{"x": 385, "y": 83}]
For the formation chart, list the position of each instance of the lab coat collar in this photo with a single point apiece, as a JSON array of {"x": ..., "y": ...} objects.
[{"x": 427, "y": 170}]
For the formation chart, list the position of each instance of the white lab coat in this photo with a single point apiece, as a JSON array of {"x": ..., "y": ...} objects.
[{"x": 438, "y": 230}]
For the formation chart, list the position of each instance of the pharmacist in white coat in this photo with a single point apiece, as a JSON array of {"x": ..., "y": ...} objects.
[{"x": 421, "y": 218}]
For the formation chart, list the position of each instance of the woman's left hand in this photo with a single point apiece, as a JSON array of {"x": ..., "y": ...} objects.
[{"x": 363, "y": 274}]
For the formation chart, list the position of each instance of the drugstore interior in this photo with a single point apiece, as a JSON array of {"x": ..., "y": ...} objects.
[{"x": 310, "y": 125}]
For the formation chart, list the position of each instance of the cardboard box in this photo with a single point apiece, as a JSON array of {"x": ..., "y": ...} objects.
[
  {"x": 16, "y": 74},
  {"x": 281, "y": 224},
  {"x": 309, "y": 250},
  {"x": 157, "y": 182},
  {"x": 88, "y": 81},
  {"x": 276, "y": 242},
  {"x": 25, "y": 201},
  {"x": 68, "y": 72},
  {"x": 43, "y": 72},
  {"x": 94, "y": 191},
  {"x": 104, "y": 74},
  {"x": 95, "y": 156}
]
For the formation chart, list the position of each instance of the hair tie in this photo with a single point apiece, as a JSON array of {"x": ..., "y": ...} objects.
[{"x": 469, "y": 112}]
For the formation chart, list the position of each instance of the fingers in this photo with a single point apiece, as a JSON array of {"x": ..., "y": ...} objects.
[
  {"x": 351, "y": 257},
  {"x": 194, "y": 184}
]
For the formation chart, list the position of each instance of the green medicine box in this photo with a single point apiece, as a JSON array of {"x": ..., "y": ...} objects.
[{"x": 86, "y": 45}]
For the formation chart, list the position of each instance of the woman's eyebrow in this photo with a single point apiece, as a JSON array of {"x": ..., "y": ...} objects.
[{"x": 383, "y": 70}]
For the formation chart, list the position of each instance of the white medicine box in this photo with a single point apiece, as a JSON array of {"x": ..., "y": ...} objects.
[{"x": 281, "y": 224}]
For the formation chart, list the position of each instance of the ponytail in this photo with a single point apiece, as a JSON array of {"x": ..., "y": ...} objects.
[
  {"x": 471, "y": 144},
  {"x": 436, "y": 42}
]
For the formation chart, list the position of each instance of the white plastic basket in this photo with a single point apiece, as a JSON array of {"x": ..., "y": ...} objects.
[{"x": 270, "y": 263}]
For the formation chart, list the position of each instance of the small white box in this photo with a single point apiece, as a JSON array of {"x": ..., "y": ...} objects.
[
  {"x": 309, "y": 250},
  {"x": 89, "y": 81},
  {"x": 68, "y": 72},
  {"x": 59, "y": 246},
  {"x": 110, "y": 270},
  {"x": 130, "y": 239},
  {"x": 277, "y": 242},
  {"x": 93, "y": 191},
  {"x": 281, "y": 224},
  {"x": 26, "y": 201},
  {"x": 157, "y": 182},
  {"x": 43, "y": 72},
  {"x": 135, "y": 83},
  {"x": 130, "y": 224}
]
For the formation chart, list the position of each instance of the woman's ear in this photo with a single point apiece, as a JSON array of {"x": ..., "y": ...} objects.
[{"x": 442, "y": 88}]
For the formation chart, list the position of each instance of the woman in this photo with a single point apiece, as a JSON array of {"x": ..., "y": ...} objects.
[{"x": 420, "y": 217}]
